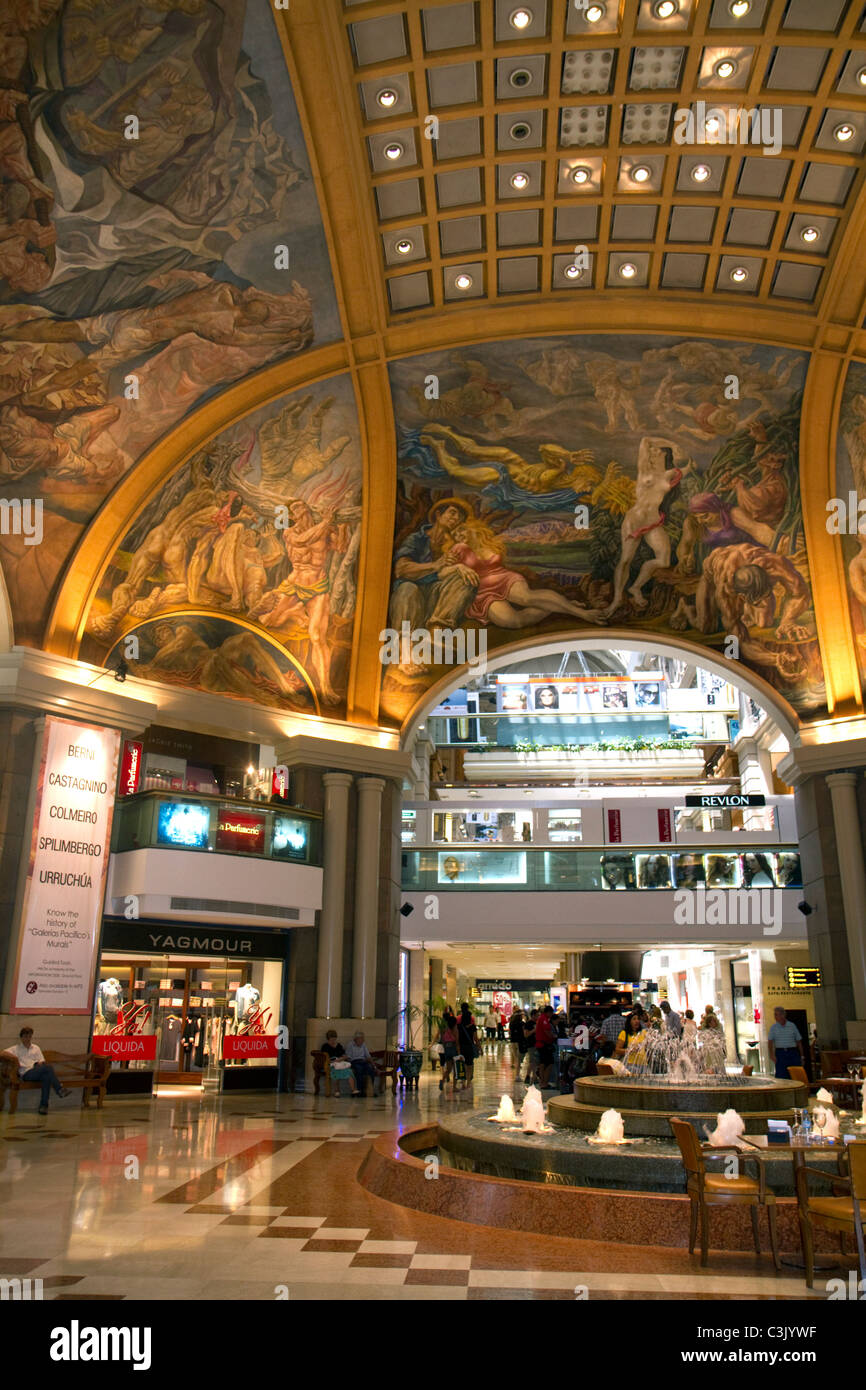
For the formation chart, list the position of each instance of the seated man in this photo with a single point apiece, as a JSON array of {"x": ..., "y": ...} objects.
[
  {"x": 32, "y": 1066},
  {"x": 362, "y": 1063},
  {"x": 340, "y": 1066}
]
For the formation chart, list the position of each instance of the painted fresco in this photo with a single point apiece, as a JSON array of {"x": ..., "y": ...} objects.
[
  {"x": 624, "y": 481},
  {"x": 851, "y": 477},
  {"x": 151, "y": 163},
  {"x": 264, "y": 523}
]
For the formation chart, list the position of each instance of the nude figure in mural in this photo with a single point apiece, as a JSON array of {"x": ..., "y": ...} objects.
[
  {"x": 309, "y": 545},
  {"x": 503, "y": 597},
  {"x": 240, "y": 665},
  {"x": 644, "y": 520}
]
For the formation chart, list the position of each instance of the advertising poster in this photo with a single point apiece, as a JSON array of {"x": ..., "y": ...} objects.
[
  {"x": 238, "y": 832},
  {"x": 66, "y": 873}
]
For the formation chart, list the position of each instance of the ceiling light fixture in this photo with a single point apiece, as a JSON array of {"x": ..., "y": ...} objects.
[
  {"x": 520, "y": 131},
  {"x": 594, "y": 14},
  {"x": 810, "y": 234},
  {"x": 627, "y": 270},
  {"x": 663, "y": 9},
  {"x": 387, "y": 97},
  {"x": 573, "y": 272},
  {"x": 640, "y": 173},
  {"x": 519, "y": 181},
  {"x": 844, "y": 132},
  {"x": 700, "y": 173},
  {"x": 740, "y": 8},
  {"x": 861, "y": 77},
  {"x": 521, "y": 77},
  {"x": 403, "y": 247},
  {"x": 581, "y": 174},
  {"x": 393, "y": 151},
  {"x": 520, "y": 19},
  {"x": 463, "y": 282},
  {"x": 725, "y": 67},
  {"x": 712, "y": 125},
  {"x": 739, "y": 274}
]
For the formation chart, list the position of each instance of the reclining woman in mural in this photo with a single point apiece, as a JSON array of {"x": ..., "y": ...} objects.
[
  {"x": 433, "y": 588},
  {"x": 645, "y": 520},
  {"x": 503, "y": 596}
]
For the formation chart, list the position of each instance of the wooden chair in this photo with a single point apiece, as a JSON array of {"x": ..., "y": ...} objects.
[
  {"x": 707, "y": 1190},
  {"x": 843, "y": 1214},
  {"x": 386, "y": 1064},
  {"x": 834, "y": 1063},
  {"x": 800, "y": 1074},
  {"x": 747, "y": 1070},
  {"x": 321, "y": 1068}
]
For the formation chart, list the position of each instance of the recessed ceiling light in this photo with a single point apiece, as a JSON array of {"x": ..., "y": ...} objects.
[
  {"x": 520, "y": 19},
  {"x": 810, "y": 234},
  {"x": 844, "y": 133},
  {"x": 403, "y": 247},
  {"x": 594, "y": 14},
  {"x": 725, "y": 67},
  {"x": 394, "y": 150},
  {"x": 739, "y": 274},
  {"x": 387, "y": 96},
  {"x": 861, "y": 77},
  {"x": 663, "y": 9},
  {"x": 520, "y": 131},
  {"x": 581, "y": 174},
  {"x": 627, "y": 270},
  {"x": 712, "y": 125},
  {"x": 701, "y": 172},
  {"x": 573, "y": 272},
  {"x": 463, "y": 282},
  {"x": 521, "y": 77},
  {"x": 519, "y": 180},
  {"x": 740, "y": 8},
  {"x": 640, "y": 173}
]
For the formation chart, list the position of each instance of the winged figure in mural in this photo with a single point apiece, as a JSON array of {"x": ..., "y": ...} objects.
[{"x": 479, "y": 398}]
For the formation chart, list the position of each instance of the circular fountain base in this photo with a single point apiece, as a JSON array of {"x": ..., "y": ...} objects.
[{"x": 646, "y": 1104}]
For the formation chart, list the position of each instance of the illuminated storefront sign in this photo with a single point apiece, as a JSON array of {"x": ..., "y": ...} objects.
[
  {"x": 727, "y": 801},
  {"x": 130, "y": 768},
  {"x": 68, "y": 855},
  {"x": 137, "y": 1049},
  {"x": 250, "y": 1045},
  {"x": 240, "y": 833}
]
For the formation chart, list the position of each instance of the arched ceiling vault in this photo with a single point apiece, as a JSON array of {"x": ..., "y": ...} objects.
[{"x": 331, "y": 89}]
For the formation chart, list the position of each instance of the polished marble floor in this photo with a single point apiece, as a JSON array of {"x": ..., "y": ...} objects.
[{"x": 192, "y": 1197}]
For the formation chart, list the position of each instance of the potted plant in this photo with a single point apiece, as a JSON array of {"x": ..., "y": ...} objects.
[{"x": 410, "y": 1057}]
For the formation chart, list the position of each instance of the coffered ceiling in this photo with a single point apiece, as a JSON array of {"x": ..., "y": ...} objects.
[{"x": 538, "y": 149}]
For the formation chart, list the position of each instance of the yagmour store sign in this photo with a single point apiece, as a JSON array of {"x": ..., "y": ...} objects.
[{"x": 62, "y": 904}]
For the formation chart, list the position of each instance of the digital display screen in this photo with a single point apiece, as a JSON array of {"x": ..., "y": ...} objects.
[
  {"x": 182, "y": 823},
  {"x": 290, "y": 838}
]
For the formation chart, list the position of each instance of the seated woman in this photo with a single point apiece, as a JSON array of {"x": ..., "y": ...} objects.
[
  {"x": 341, "y": 1067},
  {"x": 631, "y": 1043},
  {"x": 363, "y": 1065}
]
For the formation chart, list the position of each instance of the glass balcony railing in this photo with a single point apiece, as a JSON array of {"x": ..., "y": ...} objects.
[
  {"x": 165, "y": 820},
  {"x": 494, "y": 870}
]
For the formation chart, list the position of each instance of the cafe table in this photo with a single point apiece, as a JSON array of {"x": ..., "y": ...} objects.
[{"x": 800, "y": 1154}]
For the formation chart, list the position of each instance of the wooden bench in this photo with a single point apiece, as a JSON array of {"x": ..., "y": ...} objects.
[
  {"x": 322, "y": 1070},
  {"x": 386, "y": 1063},
  {"x": 73, "y": 1069}
]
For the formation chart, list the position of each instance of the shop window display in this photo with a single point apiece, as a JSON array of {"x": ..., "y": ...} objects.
[
  {"x": 758, "y": 870},
  {"x": 617, "y": 871},
  {"x": 563, "y": 827},
  {"x": 478, "y": 867},
  {"x": 689, "y": 870},
  {"x": 789, "y": 873},
  {"x": 654, "y": 871},
  {"x": 722, "y": 870}
]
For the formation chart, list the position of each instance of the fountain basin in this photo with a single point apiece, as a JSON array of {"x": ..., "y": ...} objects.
[{"x": 646, "y": 1102}]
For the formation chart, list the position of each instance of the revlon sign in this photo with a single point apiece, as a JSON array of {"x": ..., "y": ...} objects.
[
  {"x": 240, "y": 833},
  {"x": 122, "y": 1049},
  {"x": 250, "y": 1045}
]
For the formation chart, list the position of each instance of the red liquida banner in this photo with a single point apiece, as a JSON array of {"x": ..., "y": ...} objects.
[
  {"x": 136, "y": 1049},
  {"x": 250, "y": 1045},
  {"x": 239, "y": 832}
]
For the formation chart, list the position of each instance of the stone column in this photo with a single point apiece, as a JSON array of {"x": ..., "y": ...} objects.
[
  {"x": 330, "y": 962},
  {"x": 367, "y": 896},
  {"x": 849, "y": 847}
]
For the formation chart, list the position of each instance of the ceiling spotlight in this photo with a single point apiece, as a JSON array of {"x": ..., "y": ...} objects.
[
  {"x": 843, "y": 133},
  {"x": 712, "y": 125},
  {"x": 627, "y": 270},
  {"x": 739, "y": 274},
  {"x": 387, "y": 97},
  {"x": 663, "y": 9},
  {"x": 573, "y": 272},
  {"x": 861, "y": 77},
  {"x": 403, "y": 247},
  {"x": 726, "y": 67},
  {"x": 519, "y": 181},
  {"x": 520, "y": 131},
  {"x": 640, "y": 173},
  {"x": 740, "y": 8},
  {"x": 810, "y": 234},
  {"x": 594, "y": 14},
  {"x": 463, "y": 282},
  {"x": 393, "y": 151},
  {"x": 521, "y": 77},
  {"x": 701, "y": 172},
  {"x": 581, "y": 174},
  {"x": 520, "y": 19}
]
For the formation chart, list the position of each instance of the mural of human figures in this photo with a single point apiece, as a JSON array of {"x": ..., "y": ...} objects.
[
  {"x": 160, "y": 240},
  {"x": 640, "y": 481},
  {"x": 851, "y": 478},
  {"x": 263, "y": 523}
]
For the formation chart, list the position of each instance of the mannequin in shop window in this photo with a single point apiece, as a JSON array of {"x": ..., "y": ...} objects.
[
  {"x": 109, "y": 998},
  {"x": 246, "y": 1000},
  {"x": 616, "y": 871}
]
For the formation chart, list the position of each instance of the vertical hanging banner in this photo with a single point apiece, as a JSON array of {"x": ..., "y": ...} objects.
[
  {"x": 130, "y": 768},
  {"x": 614, "y": 827},
  {"x": 62, "y": 906},
  {"x": 665, "y": 832}
]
